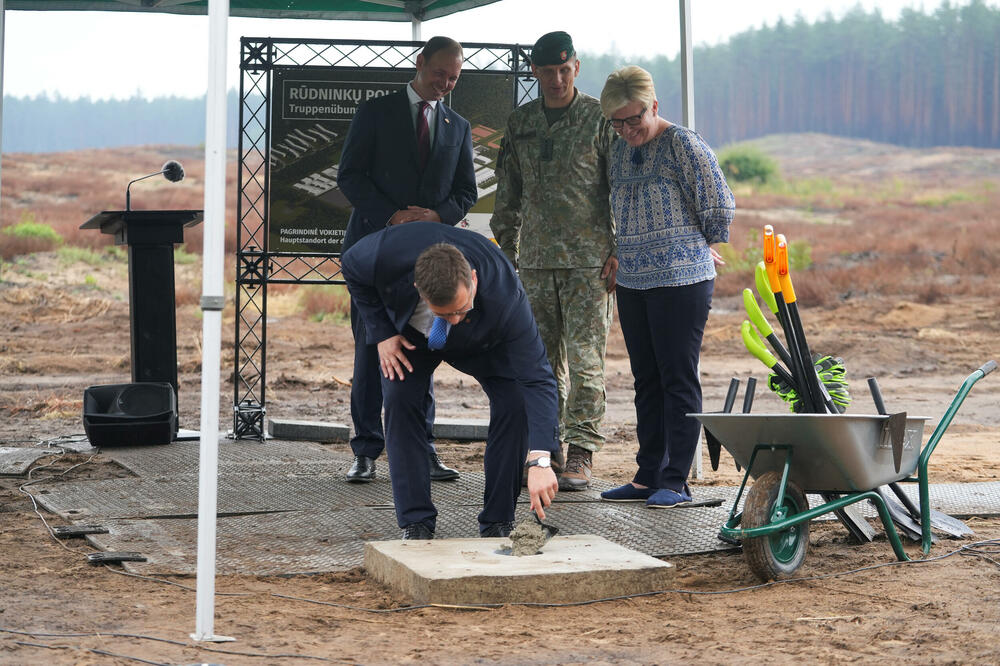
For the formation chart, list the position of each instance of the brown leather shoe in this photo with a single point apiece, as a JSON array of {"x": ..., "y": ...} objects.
[{"x": 577, "y": 473}]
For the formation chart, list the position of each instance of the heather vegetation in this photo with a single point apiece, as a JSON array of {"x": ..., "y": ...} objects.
[{"x": 862, "y": 219}]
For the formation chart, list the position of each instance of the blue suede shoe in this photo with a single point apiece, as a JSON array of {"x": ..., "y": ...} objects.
[
  {"x": 664, "y": 498},
  {"x": 627, "y": 493}
]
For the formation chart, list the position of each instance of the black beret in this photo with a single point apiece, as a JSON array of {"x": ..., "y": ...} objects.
[{"x": 553, "y": 48}]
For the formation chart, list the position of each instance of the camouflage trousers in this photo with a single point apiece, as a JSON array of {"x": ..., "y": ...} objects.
[{"x": 573, "y": 309}]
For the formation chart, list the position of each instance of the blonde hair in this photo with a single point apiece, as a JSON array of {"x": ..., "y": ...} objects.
[{"x": 628, "y": 84}]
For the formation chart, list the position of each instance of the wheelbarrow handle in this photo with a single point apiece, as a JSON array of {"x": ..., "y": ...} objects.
[
  {"x": 876, "y": 395},
  {"x": 932, "y": 443}
]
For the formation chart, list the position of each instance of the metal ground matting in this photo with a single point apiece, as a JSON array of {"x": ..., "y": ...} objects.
[
  {"x": 16, "y": 461},
  {"x": 284, "y": 507}
]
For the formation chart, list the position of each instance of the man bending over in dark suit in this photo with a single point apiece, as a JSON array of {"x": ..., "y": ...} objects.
[
  {"x": 429, "y": 293},
  {"x": 406, "y": 157}
]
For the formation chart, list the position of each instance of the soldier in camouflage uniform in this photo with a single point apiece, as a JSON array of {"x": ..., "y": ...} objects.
[{"x": 552, "y": 220}]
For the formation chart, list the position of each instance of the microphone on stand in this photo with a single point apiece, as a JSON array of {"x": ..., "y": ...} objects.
[{"x": 172, "y": 171}]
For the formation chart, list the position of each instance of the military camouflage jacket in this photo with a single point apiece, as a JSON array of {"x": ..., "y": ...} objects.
[{"x": 552, "y": 206}]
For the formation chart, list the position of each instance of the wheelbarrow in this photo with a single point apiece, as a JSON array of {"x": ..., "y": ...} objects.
[{"x": 840, "y": 455}]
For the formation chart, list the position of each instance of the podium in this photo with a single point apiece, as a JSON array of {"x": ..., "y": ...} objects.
[{"x": 150, "y": 236}]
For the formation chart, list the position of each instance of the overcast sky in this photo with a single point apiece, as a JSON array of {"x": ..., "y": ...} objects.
[{"x": 119, "y": 54}]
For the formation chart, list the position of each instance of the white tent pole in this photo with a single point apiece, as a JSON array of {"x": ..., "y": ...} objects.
[
  {"x": 687, "y": 66},
  {"x": 3, "y": 16},
  {"x": 687, "y": 120},
  {"x": 212, "y": 300},
  {"x": 414, "y": 27}
]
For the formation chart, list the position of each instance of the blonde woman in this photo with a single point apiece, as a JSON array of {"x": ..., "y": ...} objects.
[{"x": 671, "y": 203}]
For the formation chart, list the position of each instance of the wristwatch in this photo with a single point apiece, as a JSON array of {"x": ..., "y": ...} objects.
[{"x": 541, "y": 461}]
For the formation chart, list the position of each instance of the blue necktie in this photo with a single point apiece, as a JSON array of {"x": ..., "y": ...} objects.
[{"x": 438, "y": 334}]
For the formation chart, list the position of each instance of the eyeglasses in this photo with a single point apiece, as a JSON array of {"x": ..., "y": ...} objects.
[
  {"x": 456, "y": 313},
  {"x": 631, "y": 121},
  {"x": 459, "y": 313}
]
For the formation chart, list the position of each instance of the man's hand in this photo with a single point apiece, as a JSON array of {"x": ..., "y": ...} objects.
[
  {"x": 414, "y": 214},
  {"x": 716, "y": 257},
  {"x": 609, "y": 272},
  {"x": 542, "y": 486},
  {"x": 425, "y": 214},
  {"x": 391, "y": 357}
]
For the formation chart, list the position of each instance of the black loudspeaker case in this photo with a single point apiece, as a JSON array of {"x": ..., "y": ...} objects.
[{"x": 130, "y": 414}]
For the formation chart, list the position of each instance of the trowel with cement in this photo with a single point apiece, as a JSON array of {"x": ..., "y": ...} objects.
[
  {"x": 549, "y": 530},
  {"x": 529, "y": 537}
]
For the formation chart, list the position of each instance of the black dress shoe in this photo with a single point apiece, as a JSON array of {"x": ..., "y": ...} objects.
[
  {"x": 362, "y": 471},
  {"x": 439, "y": 472},
  {"x": 418, "y": 531},
  {"x": 497, "y": 530}
]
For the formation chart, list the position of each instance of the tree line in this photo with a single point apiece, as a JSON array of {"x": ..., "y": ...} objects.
[
  {"x": 926, "y": 78},
  {"x": 50, "y": 124}
]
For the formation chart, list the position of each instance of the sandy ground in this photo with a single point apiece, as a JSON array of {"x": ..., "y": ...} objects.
[{"x": 63, "y": 332}]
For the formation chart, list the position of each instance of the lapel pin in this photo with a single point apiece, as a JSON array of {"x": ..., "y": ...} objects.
[{"x": 447, "y": 121}]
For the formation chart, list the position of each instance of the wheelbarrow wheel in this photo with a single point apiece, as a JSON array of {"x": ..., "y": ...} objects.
[{"x": 780, "y": 554}]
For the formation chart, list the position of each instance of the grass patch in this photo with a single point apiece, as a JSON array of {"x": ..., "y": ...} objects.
[
  {"x": 72, "y": 254},
  {"x": 28, "y": 227},
  {"x": 28, "y": 236},
  {"x": 748, "y": 164},
  {"x": 943, "y": 199},
  {"x": 181, "y": 256},
  {"x": 116, "y": 252},
  {"x": 741, "y": 261},
  {"x": 327, "y": 303},
  {"x": 805, "y": 188}
]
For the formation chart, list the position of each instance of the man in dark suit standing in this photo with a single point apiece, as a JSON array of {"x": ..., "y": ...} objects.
[
  {"x": 406, "y": 157},
  {"x": 429, "y": 293}
]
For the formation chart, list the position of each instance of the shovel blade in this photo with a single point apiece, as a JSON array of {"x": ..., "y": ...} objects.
[
  {"x": 714, "y": 449},
  {"x": 901, "y": 518},
  {"x": 941, "y": 522},
  {"x": 851, "y": 517},
  {"x": 896, "y": 426},
  {"x": 950, "y": 525}
]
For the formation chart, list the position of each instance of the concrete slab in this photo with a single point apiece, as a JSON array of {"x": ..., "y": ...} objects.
[
  {"x": 472, "y": 571},
  {"x": 15, "y": 461},
  {"x": 462, "y": 429},
  {"x": 311, "y": 431}
]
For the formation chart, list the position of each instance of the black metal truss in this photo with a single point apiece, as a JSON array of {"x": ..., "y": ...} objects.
[{"x": 256, "y": 266}]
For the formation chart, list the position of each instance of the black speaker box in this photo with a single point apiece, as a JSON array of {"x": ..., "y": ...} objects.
[{"x": 130, "y": 414}]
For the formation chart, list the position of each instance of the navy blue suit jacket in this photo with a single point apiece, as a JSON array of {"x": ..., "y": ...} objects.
[
  {"x": 379, "y": 172},
  {"x": 498, "y": 338}
]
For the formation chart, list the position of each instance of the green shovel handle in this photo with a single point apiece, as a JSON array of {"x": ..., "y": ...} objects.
[
  {"x": 764, "y": 287},
  {"x": 755, "y": 345},
  {"x": 756, "y": 316}
]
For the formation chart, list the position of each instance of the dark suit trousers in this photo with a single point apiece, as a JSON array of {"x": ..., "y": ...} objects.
[
  {"x": 366, "y": 397},
  {"x": 663, "y": 328},
  {"x": 506, "y": 443}
]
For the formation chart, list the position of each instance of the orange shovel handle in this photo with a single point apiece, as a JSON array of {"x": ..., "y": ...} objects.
[{"x": 784, "y": 278}]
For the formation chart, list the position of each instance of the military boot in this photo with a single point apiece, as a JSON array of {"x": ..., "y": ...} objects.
[{"x": 577, "y": 473}]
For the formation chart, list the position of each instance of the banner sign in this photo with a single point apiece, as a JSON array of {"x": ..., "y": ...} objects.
[{"x": 310, "y": 114}]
